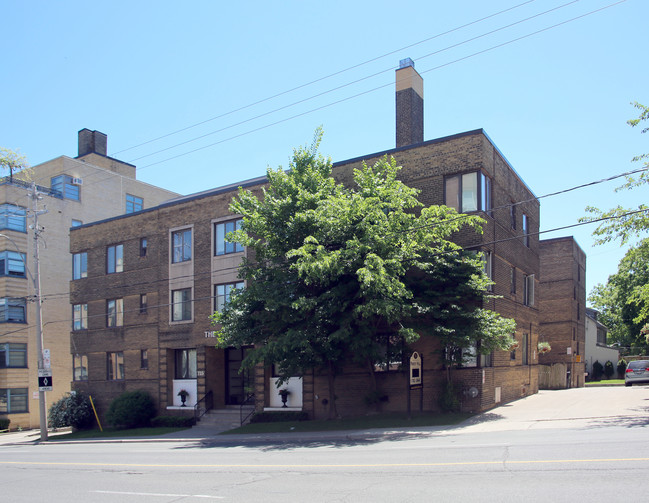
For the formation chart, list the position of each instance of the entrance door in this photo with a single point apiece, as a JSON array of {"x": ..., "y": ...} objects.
[{"x": 238, "y": 385}]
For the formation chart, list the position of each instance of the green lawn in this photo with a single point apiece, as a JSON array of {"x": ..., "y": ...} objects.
[
  {"x": 605, "y": 381},
  {"x": 112, "y": 433}
]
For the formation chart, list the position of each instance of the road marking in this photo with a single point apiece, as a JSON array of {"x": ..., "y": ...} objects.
[
  {"x": 124, "y": 493},
  {"x": 356, "y": 465}
]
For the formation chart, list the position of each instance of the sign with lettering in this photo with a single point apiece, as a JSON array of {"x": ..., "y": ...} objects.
[
  {"x": 415, "y": 370},
  {"x": 210, "y": 334},
  {"x": 44, "y": 380}
]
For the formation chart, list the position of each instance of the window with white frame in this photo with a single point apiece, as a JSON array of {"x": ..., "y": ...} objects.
[
  {"x": 223, "y": 292},
  {"x": 13, "y": 218},
  {"x": 181, "y": 242},
  {"x": 80, "y": 317},
  {"x": 221, "y": 230},
  {"x": 186, "y": 366},
  {"x": 114, "y": 259},
  {"x": 115, "y": 366},
  {"x": 12, "y": 310},
  {"x": 528, "y": 290},
  {"x": 13, "y": 400},
  {"x": 468, "y": 192},
  {"x": 114, "y": 313},
  {"x": 13, "y": 355},
  {"x": 79, "y": 265},
  {"x": 80, "y": 368},
  {"x": 133, "y": 203},
  {"x": 66, "y": 186},
  {"x": 181, "y": 305},
  {"x": 12, "y": 264}
]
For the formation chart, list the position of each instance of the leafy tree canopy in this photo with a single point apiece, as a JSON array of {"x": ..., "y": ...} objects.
[
  {"x": 337, "y": 271},
  {"x": 12, "y": 161}
]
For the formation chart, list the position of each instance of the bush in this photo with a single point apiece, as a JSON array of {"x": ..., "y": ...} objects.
[
  {"x": 275, "y": 417},
  {"x": 173, "y": 422},
  {"x": 132, "y": 409},
  {"x": 449, "y": 401},
  {"x": 598, "y": 370},
  {"x": 621, "y": 368},
  {"x": 4, "y": 424},
  {"x": 74, "y": 410},
  {"x": 609, "y": 370}
]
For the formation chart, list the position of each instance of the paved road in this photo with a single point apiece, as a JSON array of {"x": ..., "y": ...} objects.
[{"x": 554, "y": 446}]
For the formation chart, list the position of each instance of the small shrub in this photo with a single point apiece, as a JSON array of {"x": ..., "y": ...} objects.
[
  {"x": 621, "y": 368},
  {"x": 598, "y": 370},
  {"x": 609, "y": 370},
  {"x": 374, "y": 398},
  {"x": 275, "y": 417},
  {"x": 173, "y": 422},
  {"x": 74, "y": 410},
  {"x": 132, "y": 409},
  {"x": 4, "y": 424},
  {"x": 449, "y": 401}
]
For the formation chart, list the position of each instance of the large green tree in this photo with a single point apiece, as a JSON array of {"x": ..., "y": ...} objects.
[{"x": 358, "y": 273}]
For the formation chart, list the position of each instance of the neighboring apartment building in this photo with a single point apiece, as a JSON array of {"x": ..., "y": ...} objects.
[
  {"x": 77, "y": 190},
  {"x": 148, "y": 324},
  {"x": 562, "y": 305},
  {"x": 595, "y": 347}
]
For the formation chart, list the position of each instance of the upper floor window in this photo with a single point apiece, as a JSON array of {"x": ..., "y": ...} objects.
[
  {"x": 487, "y": 265},
  {"x": 12, "y": 310},
  {"x": 12, "y": 264},
  {"x": 115, "y": 366},
  {"x": 221, "y": 230},
  {"x": 143, "y": 303},
  {"x": 133, "y": 203},
  {"x": 80, "y": 368},
  {"x": 13, "y": 217},
  {"x": 79, "y": 265},
  {"x": 528, "y": 290},
  {"x": 526, "y": 230},
  {"x": 512, "y": 280},
  {"x": 222, "y": 294},
  {"x": 182, "y": 245},
  {"x": 66, "y": 186},
  {"x": 13, "y": 355},
  {"x": 143, "y": 247},
  {"x": 76, "y": 223},
  {"x": 13, "y": 400},
  {"x": 80, "y": 317},
  {"x": 144, "y": 359},
  {"x": 468, "y": 192},
  {"x": 181, "y": 305},
  {"x": 115, "y": 312},
  {"x": 115, "y": 259},
  {"x": 512, "y": 215}
]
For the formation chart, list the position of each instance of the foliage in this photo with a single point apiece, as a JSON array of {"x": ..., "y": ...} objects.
[
  {"x": 132, "y": 409},
  {"x": 620, "y": 224},
  {"x": 449, "y": 399},
  {"x": 623, "y": 301},
  {"x": 12, "y": 162},
  {"x": 609, "y": 370},
  {"x": 340, "y": 272},
  {"x": 73, "y": 409},
  {"x": 173, "y": 422},
  {"x": 4, "y": 423},
  {"x": 544, "y": 347},
  {"x": 621, "y": 368},
  {"x": 598, "y": 371},
  {"x": 275, "y": 417}
]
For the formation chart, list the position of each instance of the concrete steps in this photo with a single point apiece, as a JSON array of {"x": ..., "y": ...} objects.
[{"x": 224, "y": 419}]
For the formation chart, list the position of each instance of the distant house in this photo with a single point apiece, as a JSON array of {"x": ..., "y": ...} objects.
[{"x": 596, "y": 348}]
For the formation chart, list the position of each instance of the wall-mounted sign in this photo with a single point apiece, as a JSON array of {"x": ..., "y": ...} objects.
[
  {"x": 415, "y": 370},
  {"x": 210, "y": 334}
]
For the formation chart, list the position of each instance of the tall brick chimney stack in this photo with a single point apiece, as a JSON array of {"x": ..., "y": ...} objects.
[
  {"x": 92, "y": 142},
  {"x": 410, "y": 104}
]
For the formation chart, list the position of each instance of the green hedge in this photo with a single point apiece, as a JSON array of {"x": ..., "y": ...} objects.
[
  {"x": 4, "y": 424},
  {"x": 131, "y": 409},
  {"x": 275, "y": 417},
  {"x": 172, "y": 422}
]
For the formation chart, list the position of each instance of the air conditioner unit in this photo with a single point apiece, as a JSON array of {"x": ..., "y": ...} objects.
[{"x": 77, "y": 181}]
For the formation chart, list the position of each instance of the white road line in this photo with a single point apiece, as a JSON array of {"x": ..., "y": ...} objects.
[{"x": 160, "y": 494}]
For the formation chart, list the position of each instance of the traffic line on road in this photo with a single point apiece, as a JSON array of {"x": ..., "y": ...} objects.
[{"x": 164, "y": 495}]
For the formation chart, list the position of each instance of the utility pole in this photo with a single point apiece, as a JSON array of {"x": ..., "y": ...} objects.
[{"x": 35, "y": 195}]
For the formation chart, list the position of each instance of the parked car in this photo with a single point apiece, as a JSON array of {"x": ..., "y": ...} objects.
[{"x": 636, "y": 372}]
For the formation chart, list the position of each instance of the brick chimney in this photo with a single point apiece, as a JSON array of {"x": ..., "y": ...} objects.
[
  {"x": 410, "y": 104},
  {"x": 92, "y": 142}
]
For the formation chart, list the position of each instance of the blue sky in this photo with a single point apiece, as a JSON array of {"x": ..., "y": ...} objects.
[{"x": 555, "y": 102}]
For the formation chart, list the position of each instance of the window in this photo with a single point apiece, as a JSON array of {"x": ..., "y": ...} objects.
[
  {"x": 185, "y": 364},
  {"x": 528, "y": 290},
  {"x": 76, "y": 223},
  {"x": 181, "y": 309},
  {"x": 578, "y": 311},
  {"x": 524, "y": 349},
  {"x": 12, "y": 310},
  {"x": 12, "y": 264},
  {"x": 80, "y": 368},
  {"x": 391, "y": 354},
  {"x": 143, "y": 247},
  {"x": 13, "y": 355},
  {"x": 221, "y": 246},
  {"x": 80, "y": 317},
  {"x": 80, "y": 265},
  {"x": 512, "y": 215},
  {"x": 114, "y": 313},
  {"x": 13, "y": 218},
  {"x": 486, "y": 360},
  {"x": 468, "y": 192},
  {"x": 66, "y": 186},
  {"x": 115, "y": 366},
  {"x": 133, "y": 203},
  {"x": 114, "y": 259},
  {"x": 512, "y": 281},
  {"x": 526, "y": 230},
  {"x": 144, "y": 359},
  {"x": 222, "y": 294},
  {"x": 182, "y": 245},
  {"x": 487, "y": 267},
  {"x": 143, "y": 303},
  {"x": 13, "y": 400}
]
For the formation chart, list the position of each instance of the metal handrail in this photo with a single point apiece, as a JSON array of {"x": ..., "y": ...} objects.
[
  {"x": 250, "y": 397},
  {"x": 203, "y": 405}
]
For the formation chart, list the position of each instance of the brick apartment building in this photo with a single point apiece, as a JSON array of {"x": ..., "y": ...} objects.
[
  {"x": 148, "y": 325},
  {"x": 562, "y": 311},
  {"x": 76, "y": 190}
]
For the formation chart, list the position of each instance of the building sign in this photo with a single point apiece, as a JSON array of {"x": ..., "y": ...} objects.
[
  {"x": 210, "y": 334},
  {"x": 415, "y": 370}
]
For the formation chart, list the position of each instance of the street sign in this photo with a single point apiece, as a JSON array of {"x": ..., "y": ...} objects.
[
  {"x": 44, "y": 380},
  {"x": 415, "y": 370}
]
